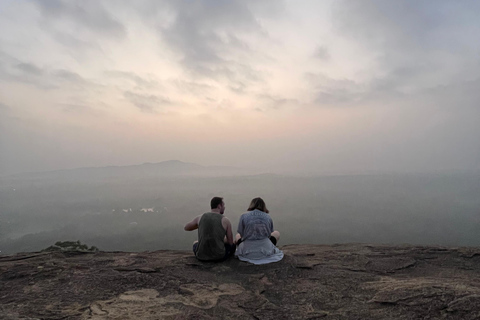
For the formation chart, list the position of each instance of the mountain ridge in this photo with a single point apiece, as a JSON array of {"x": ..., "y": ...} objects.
[{"x": 165, "y": 168}]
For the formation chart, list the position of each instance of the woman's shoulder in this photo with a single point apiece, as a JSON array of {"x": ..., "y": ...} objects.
[
  {"x": 243, "y": 215},
  {"x": 255, "y": 214}
]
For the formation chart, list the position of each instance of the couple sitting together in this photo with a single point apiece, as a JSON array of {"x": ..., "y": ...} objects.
[{"x": 255, "y": 240}]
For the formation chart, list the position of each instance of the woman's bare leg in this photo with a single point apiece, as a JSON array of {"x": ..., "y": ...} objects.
[
  {"x": 237, "y": 237},
  {"x": 276, "y": 235}
]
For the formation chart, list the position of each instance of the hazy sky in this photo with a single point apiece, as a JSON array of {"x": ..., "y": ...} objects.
[{"x": 328, "y": 86}]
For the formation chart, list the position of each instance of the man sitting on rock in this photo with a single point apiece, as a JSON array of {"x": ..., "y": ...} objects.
[{"x": 215, "y": 237}]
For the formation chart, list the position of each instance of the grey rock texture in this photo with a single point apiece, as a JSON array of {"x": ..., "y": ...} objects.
[{"x": 347, "y": 281}]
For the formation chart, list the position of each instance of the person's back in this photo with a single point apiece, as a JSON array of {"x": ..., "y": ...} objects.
[
  {"x": 256, "y": 238},
  {"x": 211, "y": 234},
  {"x": 215, "y": 238},
  {"x": 255, "y": 225}
]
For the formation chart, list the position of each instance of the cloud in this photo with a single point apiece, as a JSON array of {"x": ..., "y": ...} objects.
[
  {"x": 335, "y": 92},
  {"x": 408, "y": 24},
  {"x": 75, "y": 44},
  {"x": 402, "y": 48},
  {"x": 13, "y": 69},
  {"x": 412, "y": 45},
  {"x": 81, "y": 16},
  {"x": 147, "y": 102},
  {"x": 133, "y": 77},
  {"x": 367, "y": 75},
  {"x": 81, "y": 109},
  {"x": 29, "y": 69},
  {"x": 212, "y": 37},
  {"x": 192, "y": 87},
  {"x": 322, "y": 53},
  {"x": 67, "y": 76},
  {"x": 202, "y": 30},
  {"x": 4, "y": 107},
  {"x": 238, "y": 87},
  {"x": 271, "y": 102}
]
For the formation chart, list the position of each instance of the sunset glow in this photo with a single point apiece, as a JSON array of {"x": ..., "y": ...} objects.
[{"x": 326, "y": 87}]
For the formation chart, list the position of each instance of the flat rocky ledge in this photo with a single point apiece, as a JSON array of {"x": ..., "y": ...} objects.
[{"x": 346, "y": 281}]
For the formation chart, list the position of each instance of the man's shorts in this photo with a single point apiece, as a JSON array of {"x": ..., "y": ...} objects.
[{"x": 229, "y": 250}]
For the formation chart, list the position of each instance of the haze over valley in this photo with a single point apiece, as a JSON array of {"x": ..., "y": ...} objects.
[{"x": 121, "y": 209}]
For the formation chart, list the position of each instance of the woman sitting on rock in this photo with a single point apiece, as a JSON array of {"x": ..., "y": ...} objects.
[{"x": 256, "y": 238}]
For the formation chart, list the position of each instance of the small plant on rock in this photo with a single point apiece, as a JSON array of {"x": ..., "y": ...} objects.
[{"x": 70, "y": 246}]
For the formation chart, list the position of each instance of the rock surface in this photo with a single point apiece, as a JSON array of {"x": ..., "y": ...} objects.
[{"x": 348, "y": 281}]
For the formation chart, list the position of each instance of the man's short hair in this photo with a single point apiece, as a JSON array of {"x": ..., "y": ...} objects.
[{"x": 215, "y": 202}]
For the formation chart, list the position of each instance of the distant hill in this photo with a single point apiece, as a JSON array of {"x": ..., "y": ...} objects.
[{"x": 146, "y": 170}]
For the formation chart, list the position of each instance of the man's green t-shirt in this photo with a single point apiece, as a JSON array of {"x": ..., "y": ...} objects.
[{"x": 211, "y": 236}]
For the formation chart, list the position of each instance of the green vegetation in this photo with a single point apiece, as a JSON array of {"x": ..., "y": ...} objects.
[{"x": 71, "y": 246}]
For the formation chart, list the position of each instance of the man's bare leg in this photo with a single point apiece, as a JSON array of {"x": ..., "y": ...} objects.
[{"x": 195, "y": 244}]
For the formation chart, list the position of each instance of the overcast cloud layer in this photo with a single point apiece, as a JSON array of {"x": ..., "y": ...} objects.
[{"x": 322, "y": 86}]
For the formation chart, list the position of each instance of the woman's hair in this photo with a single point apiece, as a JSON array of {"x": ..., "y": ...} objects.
[{"x": 259, "y": 204}]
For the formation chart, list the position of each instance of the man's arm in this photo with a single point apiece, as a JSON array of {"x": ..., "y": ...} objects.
[
  {"x": 192, "y": 225},
  {"x": 228, "y": 230}
]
